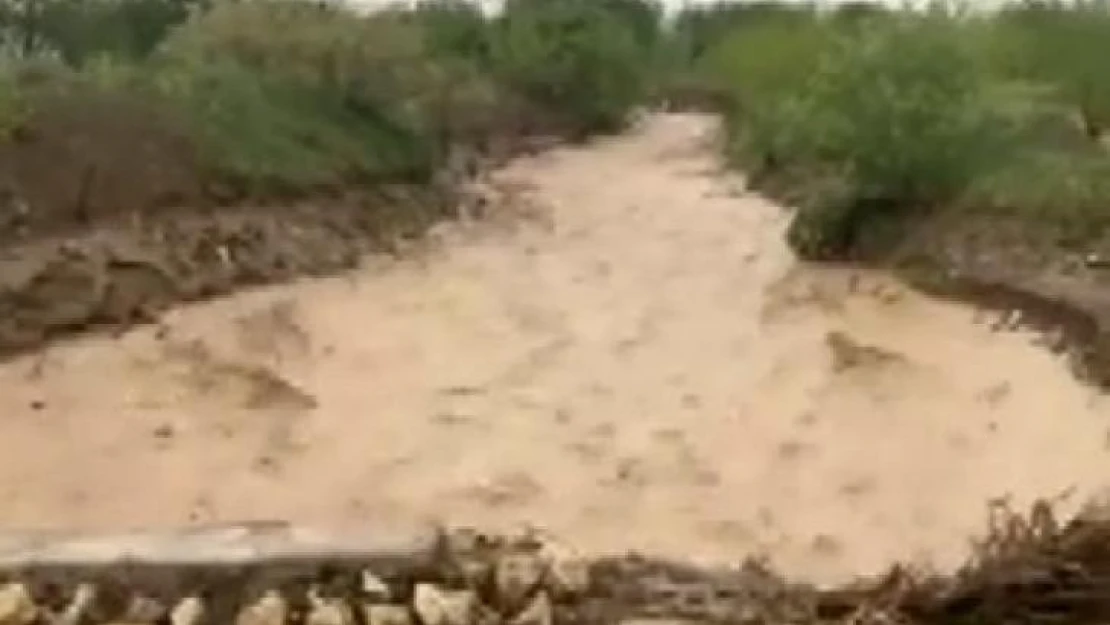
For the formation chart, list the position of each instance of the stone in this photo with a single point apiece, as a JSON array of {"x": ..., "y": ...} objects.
[
  {"x": 515, "y": 576},
  {"x": 189, "y": 611},
  {"x": 145, "y": 610},
  {"x": 539, "y": 612},
  {"x": 473, "y": 553},
  {"x": 327, "y": 610},
  {"x": 16, "y": 605},
  {"x": 83, "y": 598},
  {"x": 330, "y": 612},
  {"x": 385, "y": 614},
  {"x": 568, "y": 573},
  {"x": 434, "y": 606},
  {"x": 270, "y": 609},
  {"x": 374, "y": 587}
]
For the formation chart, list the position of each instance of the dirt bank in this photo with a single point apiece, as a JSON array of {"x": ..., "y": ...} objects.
[
  {"x": 635, "y": 342},
  {"x": 127, "y": 270},
  {"x": 108, "y": 214},
  {"x": 1026, "y": 270}
]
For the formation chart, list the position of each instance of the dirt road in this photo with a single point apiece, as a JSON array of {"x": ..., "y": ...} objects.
[{"x": 641, "y": 364}]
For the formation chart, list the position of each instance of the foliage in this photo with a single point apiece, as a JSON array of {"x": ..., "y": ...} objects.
[
  {"x": 701, "y": 28},
  {"x": 578, "y": 59},
  {"x": 857, "y": 111},
  {"x": 1060, "y": 44},
  {"x": 904, "y": 108},
  {"x": 302, "y": 94},
  {"x": 900, "y": 109},
  {"x": 14, "y": 104},
  {"x": 80, "y": 30}
]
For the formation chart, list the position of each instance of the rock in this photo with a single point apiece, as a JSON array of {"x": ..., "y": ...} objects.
[
  {"x": 473, "y": 553},
  {"x": 16, "y": 605},
  {"x": 374, "y": 587},
  {"x": 516, "y": 575},
  {"x": 539, "y": 612},
  {"x": 73, "y": 613},
  {"x": 1096, "y": 260},
  {"x": 384, "y": 614},
  {"x": 270, "y": 609},
  {"x": 327, "y": 611},
  {"x": 434, "y": 606},
  {"x": 330, "y": 612},
  {"x": 568, "y": 573},
  {"x": 475, "y": 570},
  {"x": 190, "y": 611},
  {"x": 145, "y": 610}
]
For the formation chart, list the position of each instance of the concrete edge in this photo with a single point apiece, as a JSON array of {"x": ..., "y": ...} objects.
[{"x": 217, "y": 544}]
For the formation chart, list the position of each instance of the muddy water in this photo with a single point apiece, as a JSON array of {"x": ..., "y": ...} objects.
[{"x": 634, "y": 362}]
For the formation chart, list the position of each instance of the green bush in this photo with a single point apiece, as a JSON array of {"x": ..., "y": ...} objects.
[
  {"x": 267, "y": 135},
  {"x": 15, "y": 107},
  {"x": 905, "y": 110},
  {"x": 899, "y": 110},
  {"x": 576, "y": 60},
  {"x": 1061, "y": 44},
  {"x": 701, "y": 27},
  {"x": 294, "y": 95},
  {"x": 761, "y": 66},
  {"x": 454, "y": 28},
  {"x": 80, "y": 30},
  {"x": 1068, "y": 189}
]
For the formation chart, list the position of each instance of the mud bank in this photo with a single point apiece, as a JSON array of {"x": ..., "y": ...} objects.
[
  {"x": 121, "y": 272},
  {"x": 1021, "y": 269},
  {"x": 1070, "y": 315}
]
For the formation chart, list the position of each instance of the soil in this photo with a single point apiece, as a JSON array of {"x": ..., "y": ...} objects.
[
  {"x": 1032, "y": 270},
  {"x": 128, "y": 270},
  {"x": 628, "y": 338}
]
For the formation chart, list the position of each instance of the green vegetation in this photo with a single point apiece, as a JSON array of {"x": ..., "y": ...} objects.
[
  {"x": 861, "y": 115},
  {"x": 283, "y": 96},
  {"x": 864, "y": 114}
]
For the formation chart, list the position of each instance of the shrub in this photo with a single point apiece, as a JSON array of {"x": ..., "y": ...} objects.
[
  {"x": 14, "y": 104},
  {"x": 1061, "y": 44},
  {"x": 761, "y": 66},
  {"x": 293, "y": 95},
  {"x": 899, "y": 110},
  {"x": 576, "y": 60},
  {"x": 701, "y": 28},
  {"x": 905, "y": 110}
]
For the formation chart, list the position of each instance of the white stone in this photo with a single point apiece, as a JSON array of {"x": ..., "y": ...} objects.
[
  {"x": 189, "y": 611},
  {"x": 539, "y": 612},
  {"x": 270, "y": 609},
  {"x": 444, "y": 607},
  {"x": 16, "y": 605}
]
